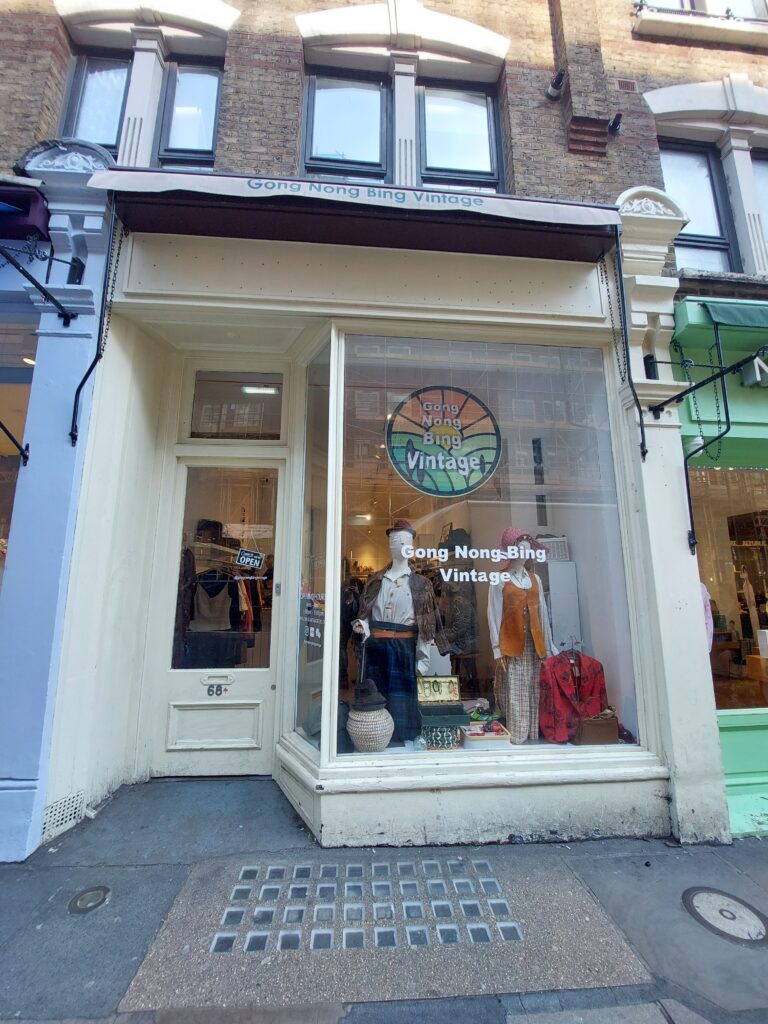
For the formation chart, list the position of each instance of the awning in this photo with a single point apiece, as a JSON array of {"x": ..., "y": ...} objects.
[
  {"x": 23, "y": 209},
  {"x": 738, "y": 314},
  {"x": 343, "y": 213},
  {"x": 695, "y": 319}
]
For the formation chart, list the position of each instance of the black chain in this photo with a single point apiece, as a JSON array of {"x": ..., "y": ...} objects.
[
  {"x": 616, "y": 336},
  {"x": 113, "y": 266},
  {"x": 685, "y": 366}
]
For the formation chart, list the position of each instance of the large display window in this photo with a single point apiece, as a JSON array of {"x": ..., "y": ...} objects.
[
  {"x": 731, "y": 513},
  {"x": 482, "y": 596}
]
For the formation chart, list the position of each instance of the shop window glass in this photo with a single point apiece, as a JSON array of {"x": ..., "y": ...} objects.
[
  {"x": 235, "y": 405},
  {"x": 491, "y": 466},
  {"x": 313, "y": 541},
  {"x": 224, "y": 607},
  {"x": 731, "y": 511},
  {"x": 18, "y": 347}
]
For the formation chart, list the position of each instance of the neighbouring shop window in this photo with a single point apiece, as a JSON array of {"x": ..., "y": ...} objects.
[
  {"x": 97, "y": 100},
  {"x": 18, "y": 349},
  {"x": 224, "y": 606},
  {"x": 482, "y": 474},
  {"x": 309, "y": 687},
  {"x": 235, "y": 405},
  {"x": 731, "y": 513}
]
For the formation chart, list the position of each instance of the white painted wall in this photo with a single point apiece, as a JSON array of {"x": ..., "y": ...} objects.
[{"x": 95, "y": 723}]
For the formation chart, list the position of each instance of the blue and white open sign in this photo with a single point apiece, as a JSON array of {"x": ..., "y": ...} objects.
[{"x": 253, "y": 559}]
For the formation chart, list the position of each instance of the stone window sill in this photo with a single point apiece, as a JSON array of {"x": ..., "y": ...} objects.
[{"x": 700, "y": 28}]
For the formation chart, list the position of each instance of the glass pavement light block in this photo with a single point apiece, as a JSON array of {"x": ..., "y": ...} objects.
[
  {"x": 456, "y": 867},
  {"x": 463, "y": 887},
  {"x": 381, "y": 889},
  {"x": 275, "y": 873},
  {"x": 510, "y": 931},
  {"x": 329, "y": 870},
  {"x": 293, "y": 915},
  {"x": 289, "y": 940},
  {"x": 269, "y": 892},
  {"x": 479, "y": 933},
  {"x": 431, "y": 868},
  {"x": 448, "y": 934},
  {"x": 353, "y": 938},
  {"x": 471, "y": 908},
  {"x": 302, "y": 871},
  {"x": 490, "y": 887},
  {"x": 321, "y": 938},
  {"x": 223, "y": 942},
  {"x": 241, "y": 892},
  {"x": 298, "y": 892},
  {"x": 256, "y": 941},
  {"x": 325, "y": 912},
  {"x": 386, "y": 938},
  {"x": 326, "y": 891},
  {"x": 381, "y": 870},
  {"x": 353, "y": 890},
  {"x": 417, "y": 936},
  {"x": 354, "y": 870},
  {"x": 413, "y": 911},
  {"x": 409, "y": 888},
  {"x": 263, "y": 915},
  {"x": 354, "y": 912},
  {"x": 442, "y": 908},
  {"x": 436, "y": 887},
  {"x": 499, "y": 908},
  {"x": 248, "y": 873},
  {"x": 383, "y": 911},
  {"x": 233, "y": 916},
  {"x": 482, "y": 867},
  {"x": 406, "y": 869}
]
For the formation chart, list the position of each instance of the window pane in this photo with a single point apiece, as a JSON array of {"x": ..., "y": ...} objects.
[
  {"x": 237, "y": 405},
  {"x": 731, "y": 510},
  {"x": 224, "y": 609},
  {"x": 738, "y": 8},
  {"x": 499, "y": 457},
  {"x": 101, "y": 102},
  {"x": 309, "y": 687},
  {"x": 347, "y": 121},
  {"x": 457, "y": 130},
  {"x": 194, "y": 110},
  {"x": 693, "y": 258},
  {"x": 688, "y": 181}
]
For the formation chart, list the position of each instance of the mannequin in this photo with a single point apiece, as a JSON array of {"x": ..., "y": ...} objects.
[
  {"x": 397, "y": 621},
  {"x": 521, "y": 638}
]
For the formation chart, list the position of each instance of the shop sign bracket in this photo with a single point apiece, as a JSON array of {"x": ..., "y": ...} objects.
[
  {"x": 66, "y": 315},
  {"x": 754, "y": 371}
]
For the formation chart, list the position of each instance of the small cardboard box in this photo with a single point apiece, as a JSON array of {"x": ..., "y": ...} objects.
[{"x": 483, "y": 740}]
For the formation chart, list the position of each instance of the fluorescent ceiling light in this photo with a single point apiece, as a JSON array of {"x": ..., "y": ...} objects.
[{"x": 260, "y": 389}]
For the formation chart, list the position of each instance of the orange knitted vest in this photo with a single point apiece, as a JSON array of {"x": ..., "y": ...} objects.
[{"x": 512, "y": 631}]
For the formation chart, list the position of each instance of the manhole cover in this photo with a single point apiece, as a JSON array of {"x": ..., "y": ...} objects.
[
  {"x": 727, "y": 915},
  {"x": 89, "y": 899}
]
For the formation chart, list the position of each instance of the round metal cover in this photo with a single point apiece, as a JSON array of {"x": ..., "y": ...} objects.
[
  {"x": 89, "y": 899},
  {"x": 727, "y": 915}
]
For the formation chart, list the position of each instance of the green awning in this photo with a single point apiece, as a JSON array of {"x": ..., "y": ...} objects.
[{"x": 738, "y": 314}]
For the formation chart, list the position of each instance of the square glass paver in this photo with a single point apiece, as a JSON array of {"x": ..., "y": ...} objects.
[
  {"x": 479, "y": 932},
  {"x": 417, "y": 936},
  {"x": 381, "y": 870},
  {"x": 456, "y": 867},
  {"x": 413, "y": 911},
  {"x": 471, "y": 908},
  {"x": 321, "y": 939},
  {"x": 293, "y": 915},
  {"x": 353, "y": 890},
  {"x": 298, "y": 892},
  {"x": 510, "y": 931},
  {"x": 381, "y": 889},
  {"x": 448, "y": 934},
  {"x": 264, "y": 915},
  {"x": 329, "y": 870},
  {"x": 409, "y": 888},
  {"x": 302, "y": 871},
  {"x": 431, "y": 868},
  {"x": 406, "y": 869},
  {"x": 353, "y": 938},
  {"x": 248, "y": 874},
  {"x": 241, "y": 892},
  {"x": 256, "y": 941},
  {"x": 325, "y": 912},
  {"x": 386, "y": 938},
  {"x": 499, "y": 908},
  {"x": 353, "y": 911},
  {"x": 289, "y": 940},
  {"x": 490, "y": 887},
  {"x": 436, "y": 887},
  {"x": 463, "y": 886},
  {"x": 442, "y": 908},
  {"x": 275, "y": 873},
  {"x": 223, "y": 943},
  {"x": 383, "y": 912},
  {"x": 233, "y": 916},
  {"x": 326, "y": 891},
  {"x": 482, "y": 867},
  {"x": 269, "y": 892},
  {"x": 354, "y": 870}
]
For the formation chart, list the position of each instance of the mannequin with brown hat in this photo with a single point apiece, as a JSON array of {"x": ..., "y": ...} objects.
[
  {"x": 521, "y": 637},
  {"x": 397, "y": 621}
]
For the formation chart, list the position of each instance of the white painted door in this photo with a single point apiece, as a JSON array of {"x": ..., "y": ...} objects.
[{"x": 214, "y": 703}]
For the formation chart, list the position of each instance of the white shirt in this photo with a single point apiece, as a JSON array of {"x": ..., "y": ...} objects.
[{"x": 394, "y": 603}]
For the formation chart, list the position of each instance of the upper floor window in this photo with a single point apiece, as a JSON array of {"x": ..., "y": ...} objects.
[
  {"x": 721, "y": 8},
  {"x": 349, "y": 130},
  {"x": 96, "y": 100},
  {"x": 190, "y": 110},
  {"x": 693, "y": 178},
  {"x": 346, "y": 126}
]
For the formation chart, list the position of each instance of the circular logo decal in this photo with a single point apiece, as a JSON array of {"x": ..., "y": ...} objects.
[{"x": 444, "y": 441}]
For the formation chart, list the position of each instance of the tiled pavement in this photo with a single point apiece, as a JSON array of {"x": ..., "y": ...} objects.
[{"x": 215, "y": 918}]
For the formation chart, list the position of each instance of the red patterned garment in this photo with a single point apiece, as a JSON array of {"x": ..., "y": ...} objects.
[{"x": 572, "y": 688}]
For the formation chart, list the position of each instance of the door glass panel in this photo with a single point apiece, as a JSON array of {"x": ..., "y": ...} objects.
[
  {"x": 224, "y": 604},
  {"x": 234, "y": 405}
]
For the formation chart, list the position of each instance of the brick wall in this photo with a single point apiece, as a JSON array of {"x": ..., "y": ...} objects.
[{"x": 34, "y": 63}]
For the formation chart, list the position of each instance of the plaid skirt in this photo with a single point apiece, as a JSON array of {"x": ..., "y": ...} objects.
[
  {"x": 516, "y": 692},
  {"x": 391, "y": 664}
]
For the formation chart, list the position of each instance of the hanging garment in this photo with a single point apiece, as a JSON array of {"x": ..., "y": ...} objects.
[
  {"x": 391, "y": 664},
  {"x": 212, "y": 606},
  {"x": 516, "y": 692},
  {"x": 572, "y": 688}
]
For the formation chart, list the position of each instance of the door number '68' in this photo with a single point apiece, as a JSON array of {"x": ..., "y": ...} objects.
[{"x": 217, "y": 686}]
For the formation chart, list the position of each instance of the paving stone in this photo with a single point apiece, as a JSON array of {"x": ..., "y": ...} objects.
[
  {"x": 648, "y": 1013},
  {"x": 539, "y": 1002},
  {"x": 679, "y": 1014},
  {"x": 586, "y": 998}
]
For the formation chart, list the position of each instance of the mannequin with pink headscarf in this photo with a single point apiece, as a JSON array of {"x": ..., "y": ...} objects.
[{"x": 521, "y": 637}]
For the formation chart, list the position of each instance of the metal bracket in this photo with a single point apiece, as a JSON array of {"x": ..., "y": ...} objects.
[
  {"x": 67, "y": 316},
  {"x": 23, "y": 452}
]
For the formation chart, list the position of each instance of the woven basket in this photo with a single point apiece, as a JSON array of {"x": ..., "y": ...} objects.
[{"x": 370, "y": 731}]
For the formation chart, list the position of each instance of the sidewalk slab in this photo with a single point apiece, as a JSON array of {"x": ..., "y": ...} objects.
[
  {"x": 278, "y": 930},
  {"x": 53, "y": 962},
  {"x": 644, "y": 898},
  {"x": 646, "y": 1014}
]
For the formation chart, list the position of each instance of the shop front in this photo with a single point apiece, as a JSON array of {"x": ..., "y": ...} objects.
[
  {"x": 729, "y": 491},
  {"x": 372, "y": 520}
]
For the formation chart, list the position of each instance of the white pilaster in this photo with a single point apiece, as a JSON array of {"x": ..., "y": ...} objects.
[
  {"x": 678, "y": 697},
  {"x": 403, "y": 68},
  {"x": 744, "y": 198},
  {"x": 142, "y": 105}
]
